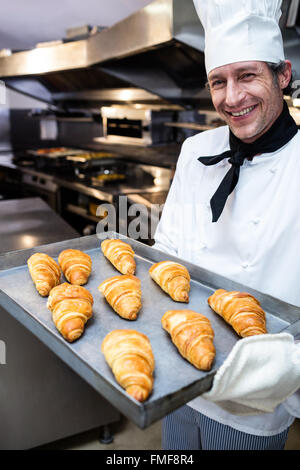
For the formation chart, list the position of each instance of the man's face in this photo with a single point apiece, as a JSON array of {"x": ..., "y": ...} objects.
[{"x": 246, "y": 97}]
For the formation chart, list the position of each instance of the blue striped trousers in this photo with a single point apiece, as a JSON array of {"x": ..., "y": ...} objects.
[{"x": 187, "y": 429}]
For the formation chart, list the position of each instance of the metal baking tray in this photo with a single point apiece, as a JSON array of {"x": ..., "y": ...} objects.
[{"x": 175, "y": 380}]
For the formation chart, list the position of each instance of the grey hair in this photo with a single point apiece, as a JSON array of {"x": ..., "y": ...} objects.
[{"x": 276, "y": 70}]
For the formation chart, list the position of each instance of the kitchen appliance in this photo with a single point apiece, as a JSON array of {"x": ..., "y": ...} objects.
[
  {"x": 44, "y": 158},
  {"x": 36, "y": 184},
  {"x": 63, "y": 158},
  {"x": 106, "y": 171},
  {"x": 135, "y": 125}
]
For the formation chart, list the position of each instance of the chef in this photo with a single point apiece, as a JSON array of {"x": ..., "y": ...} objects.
[{"x": 233, "y": 209}]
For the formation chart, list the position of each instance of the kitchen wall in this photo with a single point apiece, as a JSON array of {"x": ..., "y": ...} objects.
[{"x": 14, "y": 119}]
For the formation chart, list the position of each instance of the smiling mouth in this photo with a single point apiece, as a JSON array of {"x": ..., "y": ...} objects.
[{"x": 243, "y": 112}]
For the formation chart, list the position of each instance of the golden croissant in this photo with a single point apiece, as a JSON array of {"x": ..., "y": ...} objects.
[
  {"x": 76, "y": 266},
  {"x": 241, "y": 310},
  {"x": 124, "y": 294},
  {"x": 71, "y": 307},
  {"x": 44, "y": 272},
  {"x": 129, "y": 354},
  {"x": 173, "y": 278},
  {"x": 120, "y": 254},
  {"x": 193, "y": 335}
]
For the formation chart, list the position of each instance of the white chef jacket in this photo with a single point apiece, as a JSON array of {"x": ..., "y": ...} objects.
[{"x": 255, "y": 242}]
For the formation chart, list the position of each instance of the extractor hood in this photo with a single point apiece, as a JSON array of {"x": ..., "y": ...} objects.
[
  {"x": 158, "y": 49},
  {"x": 154, "y": 55}
]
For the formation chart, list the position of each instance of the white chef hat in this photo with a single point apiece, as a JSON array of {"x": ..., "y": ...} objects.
[{"x": 240, "y": 30}]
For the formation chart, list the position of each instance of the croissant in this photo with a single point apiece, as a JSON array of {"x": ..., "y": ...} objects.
[
  {"x": 129, "y": 354},
  {"x": 71, "y": 307},
  {"x": 44, "y": 272},
  {"x": 124, "y": 294},
  {"x": 173, "y": 278},
  {"x": 76, "y": 266},
  {"x": 120, "y": 254},
  {"x": 241, "y": 310},
  {"x": 193, "y": 336}
]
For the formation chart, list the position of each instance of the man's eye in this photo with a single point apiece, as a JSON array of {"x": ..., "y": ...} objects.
[
  {"x": 247, "y": 75},
  {"x": 217, "y": 83}
]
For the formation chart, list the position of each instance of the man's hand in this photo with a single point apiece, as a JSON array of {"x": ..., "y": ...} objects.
[{"x": 259, "y": 373}]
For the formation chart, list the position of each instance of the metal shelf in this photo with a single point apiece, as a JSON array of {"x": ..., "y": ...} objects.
[{"x": 82, "y": 212}]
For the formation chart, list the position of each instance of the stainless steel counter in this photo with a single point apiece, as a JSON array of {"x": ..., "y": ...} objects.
[
  {"x": 29, "y": 222},
  {"x": 164, "y": 155},
  {"x": 109, "y": 192}
]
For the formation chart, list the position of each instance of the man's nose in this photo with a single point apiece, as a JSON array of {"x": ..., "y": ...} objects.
[{"x": 234, "y": 94}]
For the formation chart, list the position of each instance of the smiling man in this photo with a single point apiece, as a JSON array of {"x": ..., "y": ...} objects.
[
  {"x": 233, "y": 209},
  {"x": 247, "y": 96}
]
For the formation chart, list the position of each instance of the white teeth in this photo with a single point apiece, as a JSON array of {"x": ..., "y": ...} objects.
[{"x": 244, "y": 111}]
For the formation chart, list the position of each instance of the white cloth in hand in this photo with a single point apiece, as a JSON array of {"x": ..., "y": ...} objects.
[{"x": 259, "y": 373}]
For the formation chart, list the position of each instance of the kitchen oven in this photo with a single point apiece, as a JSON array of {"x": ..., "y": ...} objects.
[{"x": 136, "y": 125}]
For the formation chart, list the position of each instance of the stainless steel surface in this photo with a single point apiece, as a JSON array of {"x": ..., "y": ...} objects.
[
  {"x": 135, "y": 126},
  {"x": 5, "y": 142},
  {"x": 82, "y": 212},
  {"x": 161, "y": 181},
  {"x": 46, "y": 59},
  {"x": 139, "y": 179},
  {"x": 107, "y": 193},
  {"x": 161, "y": 155},
  {"x": 176, "y": 381},
  {"x": 101, "y": 195},
  {"x": 112, "y": 95},
  {"x": 164, "y": 156},
  {"x": 30, "y": 87},
  {"x": 149, "y": 199},
  {"x": 6, "y": 160},
  {"x": 153, "y": 27},
  {"x": 162, "y": 177},
  {"x": 189, "y": 125},
  {"x": 29, "y": 222},
  {"x": 110, "y": 43},
  {"x": 145, "y": 32},
  {"x": 35, "y": 183},
  {"x": 137, "y": 199},
  {"x": 40, "y": 181}
]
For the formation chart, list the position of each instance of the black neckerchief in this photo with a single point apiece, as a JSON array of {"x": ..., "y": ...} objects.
[{"x": 279, "y": 134}]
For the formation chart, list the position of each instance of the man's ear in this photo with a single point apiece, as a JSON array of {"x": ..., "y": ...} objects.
[{"x": 285, "y": 76}]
